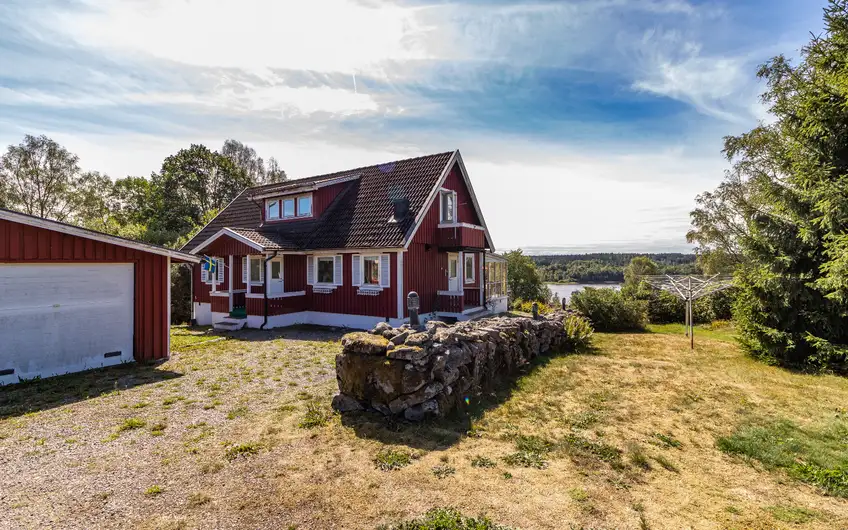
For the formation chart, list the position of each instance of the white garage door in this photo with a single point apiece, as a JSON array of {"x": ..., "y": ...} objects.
[{"x": 56, "y": 319}]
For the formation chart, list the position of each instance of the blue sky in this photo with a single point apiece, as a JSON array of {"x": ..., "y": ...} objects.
[{"x": 585, "y": 125}]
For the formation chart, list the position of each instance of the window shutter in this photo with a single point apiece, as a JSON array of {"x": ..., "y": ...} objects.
[
  {"x": 337, "y": 270},
  {"x": 385, "y": 270},
  {"x": 244, "y": 271},
  {"x": 220, "y": 271},
  {"x": 204, "y": 274},
  {"x": 356, "y": 270},
  {"x": 310, "y": 270}
]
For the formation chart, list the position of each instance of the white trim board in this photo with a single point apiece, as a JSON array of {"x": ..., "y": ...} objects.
[
  {"x": 459, "y": 225},
  {"x": 85, "y": 233},
  {"x": 227, "y": 232},
  {"x": 224, "y": 209}
]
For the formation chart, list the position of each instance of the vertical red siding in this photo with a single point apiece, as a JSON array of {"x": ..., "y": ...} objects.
[
  {"x": 21, "y": 243},
  {"x": 276, "y": 306},
  {"x": 464, "y": 206},
  {"x": 345, "y": 300},
  {"x": 425, "y": 272},
  {"x": 294, "y": 273},
  {"x": 226, "y": 246},
  {"x": 220, "y": 304}
]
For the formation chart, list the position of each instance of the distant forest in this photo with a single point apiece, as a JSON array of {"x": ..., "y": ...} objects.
[{"x": 607, "y": 267}]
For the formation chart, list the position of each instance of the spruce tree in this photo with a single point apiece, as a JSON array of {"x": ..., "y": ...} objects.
[{"x": 792, "y": 307}]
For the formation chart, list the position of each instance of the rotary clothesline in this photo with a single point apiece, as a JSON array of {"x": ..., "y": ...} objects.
[{"x": 689, "y": 289}]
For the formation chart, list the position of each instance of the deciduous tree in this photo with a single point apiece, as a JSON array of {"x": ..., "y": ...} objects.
[{"x": 40, "y": 177}]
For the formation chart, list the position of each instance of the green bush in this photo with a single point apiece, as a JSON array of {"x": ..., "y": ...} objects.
[
  {"x": 665, "y": 308},
  {"x": 609, "y": 310},
  {"x": 578, "y": 332},
  {"x": 526, "y": 306}
]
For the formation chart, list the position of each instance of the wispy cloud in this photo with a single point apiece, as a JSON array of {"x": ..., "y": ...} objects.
[{"x": 608, "y": 112}]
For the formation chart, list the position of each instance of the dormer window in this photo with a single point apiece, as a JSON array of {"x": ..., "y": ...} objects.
[
  {"x": 448, "y": 206},
  {"x": 304, "y": 206},
  {"x": 288, "y": 207},
  {"x": 273, "y": 209}
]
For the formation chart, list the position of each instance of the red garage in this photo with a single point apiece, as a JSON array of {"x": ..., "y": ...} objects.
[{"x": 72, "y": 299}]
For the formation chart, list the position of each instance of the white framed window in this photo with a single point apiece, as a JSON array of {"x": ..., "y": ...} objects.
[
  {"x": 324, "y": 270},
  {"x": 252, "y": 272},
  {"x": 469, "y": 268},
  {"x": 304, "y": 206},
  {"x": 371, "y": 271},
  {"x": 288, "y": 208},
  {"x": 447, "y": 202},
  {"x": 273, "y": 210}
]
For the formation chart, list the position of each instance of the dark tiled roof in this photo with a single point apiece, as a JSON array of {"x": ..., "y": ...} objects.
[{"x": 357, "y": 218}]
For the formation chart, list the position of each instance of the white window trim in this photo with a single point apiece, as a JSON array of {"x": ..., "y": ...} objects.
[
  {"x": 333, "y": 284},
  {"x": 442, "y": 219},
  {"x": 372, "y": 286},
  {"x": 261, "y": 271},
  {"x": 281, "y": 200},
  {"x": 268, "y": 204},
  {"x": 465, "y": 278},
  {"x": 297, "y": 205}
]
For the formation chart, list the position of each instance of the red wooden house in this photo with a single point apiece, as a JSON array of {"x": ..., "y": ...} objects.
[{"x": 344, "y": 249}]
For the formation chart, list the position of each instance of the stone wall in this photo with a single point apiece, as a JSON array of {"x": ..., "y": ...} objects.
[{"x": 429, "y": 371}]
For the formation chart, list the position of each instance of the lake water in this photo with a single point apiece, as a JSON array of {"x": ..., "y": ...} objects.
[{"x": 564, "y": 291}]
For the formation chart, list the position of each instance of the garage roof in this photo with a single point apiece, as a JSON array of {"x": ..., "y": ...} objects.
[{"x": 65, "y": 228}]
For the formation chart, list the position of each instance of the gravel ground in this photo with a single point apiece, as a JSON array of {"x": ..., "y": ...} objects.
[{"x": 144, "y": 444}]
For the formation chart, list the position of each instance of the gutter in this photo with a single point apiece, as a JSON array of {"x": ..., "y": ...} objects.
[{"x": 265, "y": 288}]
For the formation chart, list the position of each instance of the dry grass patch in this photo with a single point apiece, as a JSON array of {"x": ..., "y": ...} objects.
[{"x": 575, "y": 421}]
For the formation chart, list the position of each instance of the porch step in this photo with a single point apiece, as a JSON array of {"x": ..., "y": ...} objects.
[
  {"x": 479, "y": 313},
  {"x": 230, "y": 324}
]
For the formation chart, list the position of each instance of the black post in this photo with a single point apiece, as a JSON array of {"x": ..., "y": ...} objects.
[
  {"x": 413, "y": 303},
  {"x": 535, "y": 310}
]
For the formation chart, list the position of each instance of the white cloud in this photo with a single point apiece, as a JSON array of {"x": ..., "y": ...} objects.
[
  {"x": 328, "y": 35},
  {"x": 282, "y": 100},
  {"x": 722, "y": 86}
]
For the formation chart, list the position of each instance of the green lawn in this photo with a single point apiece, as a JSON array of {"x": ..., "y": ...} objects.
[{"x": 723, "y": 331}]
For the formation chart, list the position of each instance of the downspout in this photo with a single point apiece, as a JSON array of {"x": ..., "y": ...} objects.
[
  {"x": 485, "y": 281},
  {"x": 192, "y": 319},
  {"x": 265, "y": 288}
]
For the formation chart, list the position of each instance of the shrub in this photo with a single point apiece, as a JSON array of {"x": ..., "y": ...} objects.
[
  {"x": 609, "y": 310},
  {"x": 526, "y": 306},
  {"x": 665, "y": 308},
  {"x": 578, "y": 332},
  {"x": 446, "y": 519}
]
